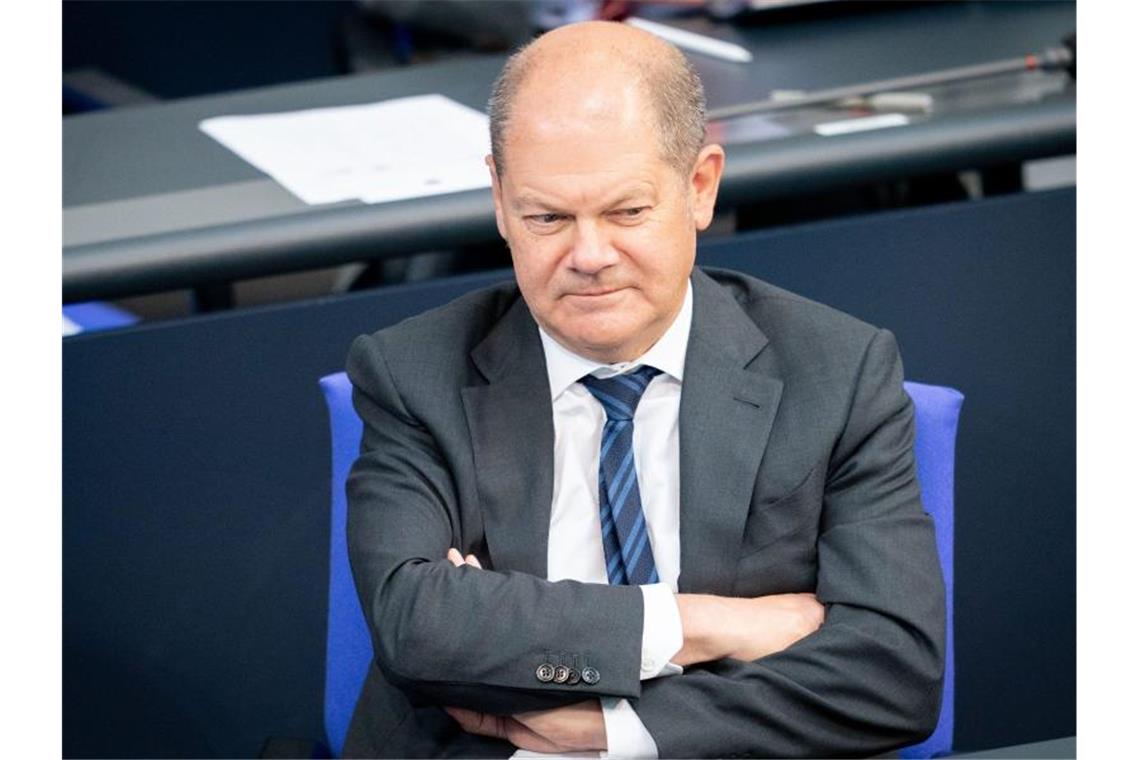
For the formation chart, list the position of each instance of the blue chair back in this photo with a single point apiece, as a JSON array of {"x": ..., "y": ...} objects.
[
  {"x": 936, "y": 411},
  {"x": 94, "y": 315},
  {"x": 349, "y": 651}
]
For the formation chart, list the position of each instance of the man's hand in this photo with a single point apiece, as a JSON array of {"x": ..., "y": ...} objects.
[
  {"x": 458, "y": 560},
  {"x": 744, "y": 629},
  {"x": 572, "y": 728},
  {"x": 714, "y": 627}
]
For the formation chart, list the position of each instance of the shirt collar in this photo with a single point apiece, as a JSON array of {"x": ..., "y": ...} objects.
[{"x": 564, "y": 367}]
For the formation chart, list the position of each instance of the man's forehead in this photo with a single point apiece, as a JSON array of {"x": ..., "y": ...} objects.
[
  {"x": 548, "y": 104},
  {"x": 558, "y": 123}
]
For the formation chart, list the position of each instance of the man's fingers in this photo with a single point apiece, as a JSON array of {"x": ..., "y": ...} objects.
[
  {"x": 578, "y": 726},
  {"x": 459, "y": 715},
  {"x": 457, "y": 559},
  {"x": 810, "y": 612},
  {"x": 813, "y": 610},
  {"x": 524, "y": 737},
  {"x": 478, "y": 723},
  {"x": 508, "y": 728},
  {"x": 468, "y": 720}
]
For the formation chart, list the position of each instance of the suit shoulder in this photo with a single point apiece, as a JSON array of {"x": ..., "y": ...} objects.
[
  {"x": 430, "y": 351},
  {"x": 454, "y": 328},
  {"x": 786, "y": 316}
]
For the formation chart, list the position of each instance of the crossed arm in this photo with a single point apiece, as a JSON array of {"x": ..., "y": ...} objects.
[
  {"x": 866, "y": 681},
  {"x": 714, "y": 628}
]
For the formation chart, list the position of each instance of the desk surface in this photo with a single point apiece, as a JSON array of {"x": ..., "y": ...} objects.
[
  {"x": 152, "y": 203},
  {"x": 1065, "y": 747}
]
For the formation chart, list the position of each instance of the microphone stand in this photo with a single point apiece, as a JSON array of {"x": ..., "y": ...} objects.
[{"x": 1052, "y": 59}]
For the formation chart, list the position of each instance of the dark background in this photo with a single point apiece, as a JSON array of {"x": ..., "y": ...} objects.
[
  {"x": 179, "y": 48},
  {"x": 196, "y": 477}
]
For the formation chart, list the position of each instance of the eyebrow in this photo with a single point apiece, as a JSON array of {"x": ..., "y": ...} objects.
[
  {"x": 527, "y": 200},
  {"x": 530, "y": 201}
]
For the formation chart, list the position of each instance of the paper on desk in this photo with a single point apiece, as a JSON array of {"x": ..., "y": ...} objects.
[{"x": 404, "y": 148}]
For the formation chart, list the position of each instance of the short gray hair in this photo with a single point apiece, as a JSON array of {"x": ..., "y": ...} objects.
[{"x": 676, "y": 97}]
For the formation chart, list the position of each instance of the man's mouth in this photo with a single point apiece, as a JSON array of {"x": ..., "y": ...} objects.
[{"x": 595, "y": 292}]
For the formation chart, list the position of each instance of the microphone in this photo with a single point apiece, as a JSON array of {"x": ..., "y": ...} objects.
[{"x": 1051, "y": 59}]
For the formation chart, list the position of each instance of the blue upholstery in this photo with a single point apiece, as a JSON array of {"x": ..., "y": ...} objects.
[
  {"x": 936, "y": 428},
  {"x": 350, "y": 649},
  {"x": 95, "y": 315}
]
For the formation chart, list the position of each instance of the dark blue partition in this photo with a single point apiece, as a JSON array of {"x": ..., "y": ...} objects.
[
  {"x": 195, "y": 524},
  {"x": 195, "y": 479}
]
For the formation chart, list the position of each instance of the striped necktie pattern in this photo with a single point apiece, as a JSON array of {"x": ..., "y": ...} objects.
[{"x": 625, "y": 534}]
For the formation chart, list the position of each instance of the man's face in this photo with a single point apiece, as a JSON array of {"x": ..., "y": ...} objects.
[{"x": 602, "y": 230}]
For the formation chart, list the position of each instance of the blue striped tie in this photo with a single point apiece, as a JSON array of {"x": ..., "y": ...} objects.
[{"x": 625, "y": 535}]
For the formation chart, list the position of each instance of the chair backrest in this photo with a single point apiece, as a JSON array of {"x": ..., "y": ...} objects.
[
  {"x": 936, "y": 411},
  {"x": 348, "y": 647},
  {"x": 94, "y": 315},
  {"x": 349, "y": 650}
]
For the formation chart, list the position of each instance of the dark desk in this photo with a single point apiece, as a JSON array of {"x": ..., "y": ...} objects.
[
  {"x": 151, "y": 203},
  {"x": 1065, "y": 747}
]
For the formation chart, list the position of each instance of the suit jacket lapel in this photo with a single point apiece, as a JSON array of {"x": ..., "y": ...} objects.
[
  {"x": 725, "y": 420},
  {"x": 512, "y": 439}
]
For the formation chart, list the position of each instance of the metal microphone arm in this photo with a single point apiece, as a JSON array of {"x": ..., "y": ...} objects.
[{"x": 1051, "y": 59}]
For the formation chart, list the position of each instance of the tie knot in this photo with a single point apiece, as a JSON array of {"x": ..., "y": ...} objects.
[{"x": 620, "y": 394}]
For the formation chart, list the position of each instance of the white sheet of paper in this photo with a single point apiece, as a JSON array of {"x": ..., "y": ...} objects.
[
  {"x": 403, "y": 148},
  {"x": 861, "y": 124}
]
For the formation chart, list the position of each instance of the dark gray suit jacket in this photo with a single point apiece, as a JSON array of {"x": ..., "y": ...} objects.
[{"x": 797, "y": 475}]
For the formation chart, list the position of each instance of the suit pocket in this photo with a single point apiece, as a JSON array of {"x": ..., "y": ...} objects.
[
  {"x": 779, "y": 553},
  {"x": 794, "y": 513}
]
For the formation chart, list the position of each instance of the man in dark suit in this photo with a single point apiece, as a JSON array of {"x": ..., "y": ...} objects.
[{"x": 626, "y": 505}]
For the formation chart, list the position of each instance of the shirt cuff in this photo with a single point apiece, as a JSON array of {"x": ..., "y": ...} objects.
[
  {"x": 626, "y": 735},
  {"x": 661, "y": 634}
]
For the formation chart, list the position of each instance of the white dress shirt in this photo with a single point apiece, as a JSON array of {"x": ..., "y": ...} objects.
[{"x": 575, "y": 547}]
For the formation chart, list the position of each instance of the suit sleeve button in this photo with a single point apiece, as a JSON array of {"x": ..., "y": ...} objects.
[
  {"x": 545, "y": 672},
  {"x": 591, "y": 675}
]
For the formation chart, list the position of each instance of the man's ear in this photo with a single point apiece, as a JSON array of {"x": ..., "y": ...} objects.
[
  {"x": 705, "y": 182},
  {"x": 497, "y": 196}
]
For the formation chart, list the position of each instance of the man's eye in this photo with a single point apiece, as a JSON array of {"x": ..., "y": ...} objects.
[
  {"x": 632, "y": 213},
  {"x": 546, "y": 218}
]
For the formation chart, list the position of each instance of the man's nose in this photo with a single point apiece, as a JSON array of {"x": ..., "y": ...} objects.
[{"x": 592, "y": 249}]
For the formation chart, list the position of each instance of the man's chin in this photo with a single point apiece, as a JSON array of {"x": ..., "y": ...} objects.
[{"x": 604, "y": 345}]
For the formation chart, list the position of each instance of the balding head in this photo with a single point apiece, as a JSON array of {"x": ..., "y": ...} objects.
[
  {"x": 599, "y": 70},
  {"x": 600, "y": 184}
]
